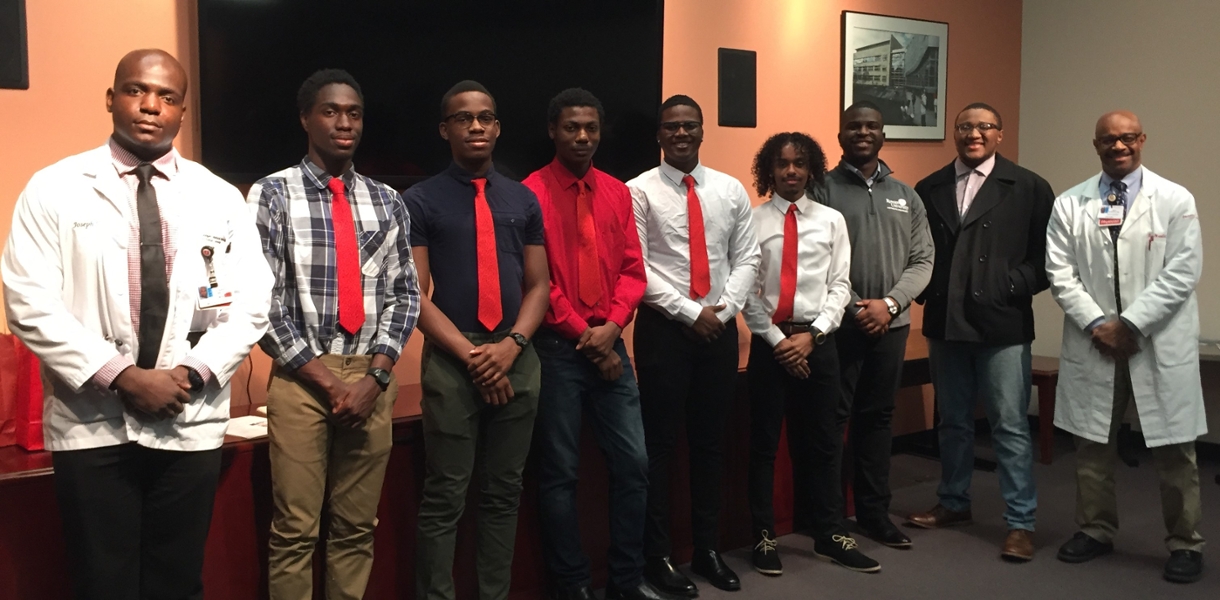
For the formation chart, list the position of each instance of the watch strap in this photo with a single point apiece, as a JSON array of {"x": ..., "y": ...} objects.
[
  {"x": 381, "y": 376},
  {"x": 893, "y": 306},
  {"x": 195, "y": 379},
  {"x": 519, "y": 339}
]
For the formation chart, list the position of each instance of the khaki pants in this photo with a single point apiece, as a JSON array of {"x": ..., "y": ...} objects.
[
  {"x": 1096, "y": 503},
  {"x": 310, "y": 456},
  {"x": 462, "y": 435}
]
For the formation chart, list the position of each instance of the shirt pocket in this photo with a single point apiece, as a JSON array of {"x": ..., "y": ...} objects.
[
  {"x": 510, "y": 232},
  {"x": 373, "y": 245}
]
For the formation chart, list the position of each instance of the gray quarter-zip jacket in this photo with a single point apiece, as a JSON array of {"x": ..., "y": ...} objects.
[{"x": 891, "y": 245}]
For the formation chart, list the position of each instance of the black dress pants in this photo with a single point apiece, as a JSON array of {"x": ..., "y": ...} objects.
[
  {"x": 871, "y": 372},
  {"x": 136, "y": 520},
  {"x": 814, "y": 442},
  {"x": 683, "y": 381}
]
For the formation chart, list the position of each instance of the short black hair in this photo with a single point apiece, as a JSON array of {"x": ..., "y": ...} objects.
[
  {"x": 573, "y": 97},
  {"x": 461, "y": 87},
  {"x": 764, "y": 161},
  {"x": 307, "y": 96},
  {"x": 679, "y": 100},
  {"x": 863, "y": 104},
  {"x": 999, "y": 121}
]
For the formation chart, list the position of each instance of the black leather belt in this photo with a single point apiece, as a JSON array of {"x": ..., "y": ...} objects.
[{"x": 789, "y": 329}]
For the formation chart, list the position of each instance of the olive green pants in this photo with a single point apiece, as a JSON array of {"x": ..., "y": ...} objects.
[
  {"x": 1096, "y": 501},
  {"x": 461, "y": 434}
]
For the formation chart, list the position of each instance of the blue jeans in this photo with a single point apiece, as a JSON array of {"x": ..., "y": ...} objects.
[
  {"x": 570, "y": 383},
  {"x": 962, "y": 373}
]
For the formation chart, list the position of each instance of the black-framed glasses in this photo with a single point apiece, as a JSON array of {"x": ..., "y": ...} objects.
[
  {"x": 966, "y": 128},
  {"x": 1127, "y": 139},
  {"x": 465, "y": 118},
  {"x": 674, "y": 126}
]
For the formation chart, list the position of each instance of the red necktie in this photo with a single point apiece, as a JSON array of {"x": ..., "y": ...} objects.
[
  {"x": 700, "y": 274},
  {"x": 347, "y": 259},
  {"x": 490, "y": 310},
  {"x": 787, "y": 269},
  {"x": 588, "y": 268}
]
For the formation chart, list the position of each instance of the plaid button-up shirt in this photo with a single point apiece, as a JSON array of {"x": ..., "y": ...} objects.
[{"x": 293, "y": 209}]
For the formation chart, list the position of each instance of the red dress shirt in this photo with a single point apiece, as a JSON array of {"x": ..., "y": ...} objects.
[{"x": 618, "y": 249}]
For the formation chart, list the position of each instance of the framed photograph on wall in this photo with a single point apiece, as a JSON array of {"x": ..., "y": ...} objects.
[{"x": 899, "y": 65}]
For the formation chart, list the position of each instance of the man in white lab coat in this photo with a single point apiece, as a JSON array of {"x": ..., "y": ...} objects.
[
  {"x": 135, "y": 276},
  {"x": 1123, "y": 255}
]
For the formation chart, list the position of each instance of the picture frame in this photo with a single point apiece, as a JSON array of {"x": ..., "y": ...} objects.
[{"x": 899, "y": 64}]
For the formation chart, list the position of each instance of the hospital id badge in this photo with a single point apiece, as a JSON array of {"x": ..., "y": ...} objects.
[
  {"x": 212, "y": 295},
  {"x": 1111, "y": 215}
]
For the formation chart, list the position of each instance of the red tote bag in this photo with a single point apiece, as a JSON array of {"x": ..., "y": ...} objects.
[{"x": 29, "y": 399}]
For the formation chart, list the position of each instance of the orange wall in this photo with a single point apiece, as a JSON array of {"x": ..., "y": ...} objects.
[
  {"x": 74, "y": 46},
  {"x": 798, "y": 45}
]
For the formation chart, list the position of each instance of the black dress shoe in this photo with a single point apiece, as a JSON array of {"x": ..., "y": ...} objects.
[
  {"x": 884, "y": 532},
  {"x": 644, "y": 591},
  {"x": 1184, "y": 566},
  {"x": 663, "y": 576},
  {"x": 709, "y": 565},
  {"x": 1082, "y": 548},
  {"x": 575, "y": 593}
]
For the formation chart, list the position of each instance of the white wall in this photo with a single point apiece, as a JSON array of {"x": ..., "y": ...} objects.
[{"x": 1159, "y": 59}]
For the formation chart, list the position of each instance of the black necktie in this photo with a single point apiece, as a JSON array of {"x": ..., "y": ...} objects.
[
  {"x": 154, "y": 289},
  {"x": 1117, "y": 197}
]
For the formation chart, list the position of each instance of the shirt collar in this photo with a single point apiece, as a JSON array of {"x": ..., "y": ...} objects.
[
  {"x": 1134, "y": 179},
  {"x": 878, "y": 174},
  {"x": 803, "y": 205},
  {"x": 125, "y": 162},
  {"x": 567, "y": 179},
  {"x": 320, "y": 178},
  {"x": 983, "y": 169},
  {"x": 462, "y": 175},
  {"x": 673, "y": 174}
]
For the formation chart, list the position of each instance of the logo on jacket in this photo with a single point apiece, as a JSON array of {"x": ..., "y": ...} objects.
[{"x": 899, "y": 205}]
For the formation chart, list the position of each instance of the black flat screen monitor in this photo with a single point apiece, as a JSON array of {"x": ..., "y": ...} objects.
[{"x": 254, "y": 54}]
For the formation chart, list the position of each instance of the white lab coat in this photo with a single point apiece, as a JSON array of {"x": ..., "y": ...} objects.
[
  {"x": 66, "y": 293},
  {"x": 1160, "y": 257}
]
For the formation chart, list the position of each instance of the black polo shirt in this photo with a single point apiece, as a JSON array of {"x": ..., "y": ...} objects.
[{"x": 442, "y": 218}]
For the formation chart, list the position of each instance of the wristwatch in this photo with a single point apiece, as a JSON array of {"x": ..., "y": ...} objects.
[
  {"x": 893, "y": 306},
  {"x": 521, "y": 340},
  {"x": 381, "y": 376},
  {"x": 195, "y": 379},
  {"x": 818, "y": 337}
]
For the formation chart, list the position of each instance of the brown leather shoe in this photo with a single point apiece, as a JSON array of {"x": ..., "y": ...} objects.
[
  {"x": 940, "y": 516},
  {"x": 1019, "y": 546}
]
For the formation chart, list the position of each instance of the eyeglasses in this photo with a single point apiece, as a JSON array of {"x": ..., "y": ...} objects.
[
  {"x": 464, "y": 118},
  {"x": 966, "y": 128},
  {"x": 674, "y": 126},
  {"x": 1126, "y": 138}
]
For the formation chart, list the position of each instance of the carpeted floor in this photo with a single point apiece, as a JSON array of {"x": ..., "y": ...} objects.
[{"x": 964, "y": 562}]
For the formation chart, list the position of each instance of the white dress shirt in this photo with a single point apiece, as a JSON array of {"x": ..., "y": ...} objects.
[
  {"x": 823, "y": 267},
  {"x": 969, "y": 181},
  {"x": 659, "y": 198}
]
